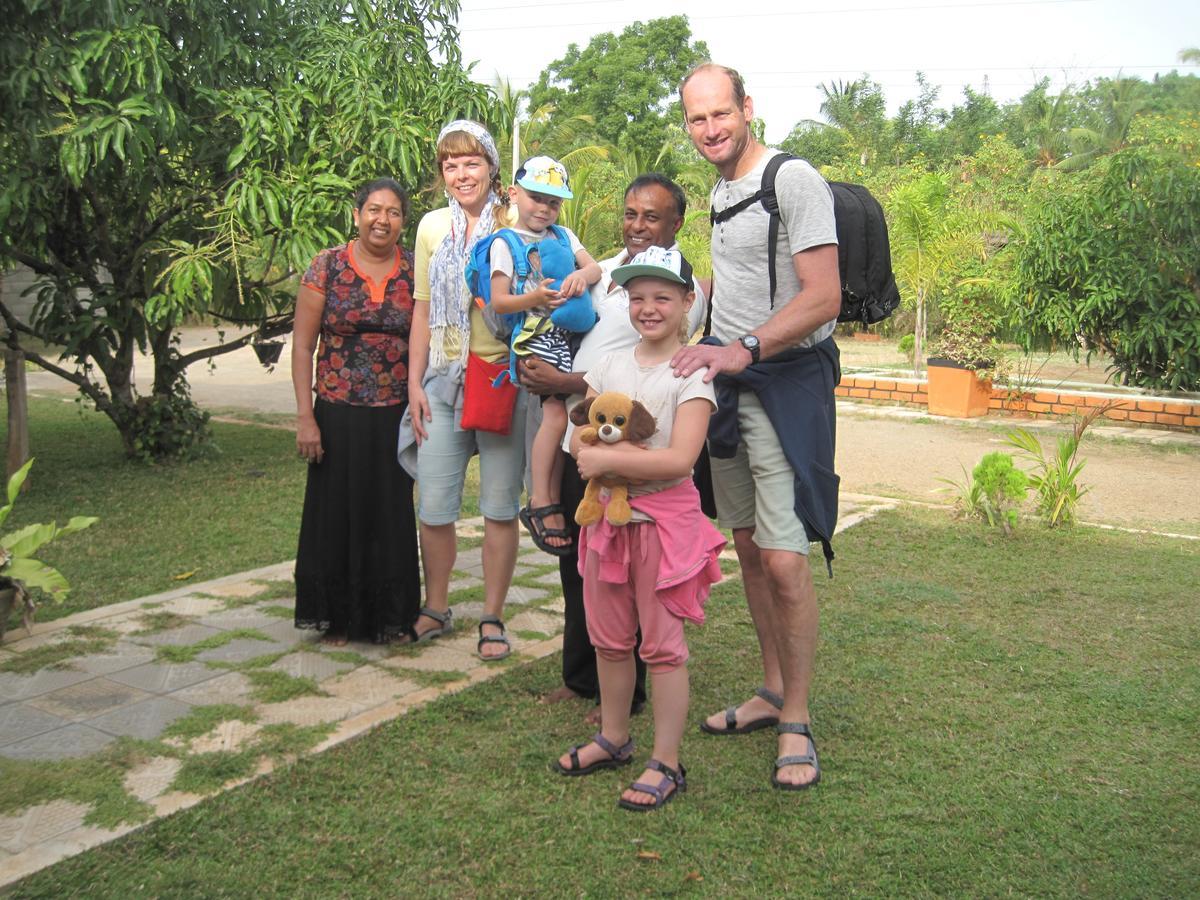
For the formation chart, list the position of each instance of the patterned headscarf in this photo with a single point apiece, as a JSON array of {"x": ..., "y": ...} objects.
[{"x": 449, "y": 298}]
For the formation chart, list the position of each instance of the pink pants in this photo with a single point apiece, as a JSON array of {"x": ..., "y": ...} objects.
[{"x": 614, "y": 611}]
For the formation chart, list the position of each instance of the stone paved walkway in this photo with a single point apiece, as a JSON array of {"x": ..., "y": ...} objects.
[{"x": 217, "y": 668}]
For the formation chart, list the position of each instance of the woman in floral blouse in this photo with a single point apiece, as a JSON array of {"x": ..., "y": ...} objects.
[{"x": 357, "y": 575}]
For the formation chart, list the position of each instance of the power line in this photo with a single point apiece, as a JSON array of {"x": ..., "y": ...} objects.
[
  {"x": 526, "y": 26},
  {"x": 536, "y": 5},
  {"x": 923, "y": 69},
  {"x": 765, "y": 73}
]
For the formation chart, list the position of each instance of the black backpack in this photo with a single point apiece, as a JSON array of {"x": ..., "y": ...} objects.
[{"x": 869, "y": 292}]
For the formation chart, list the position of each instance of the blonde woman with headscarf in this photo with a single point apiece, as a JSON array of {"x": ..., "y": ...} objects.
[{"x": 454, "y": 411}]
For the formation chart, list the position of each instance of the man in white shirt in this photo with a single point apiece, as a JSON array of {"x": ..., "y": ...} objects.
[{"x": 654, "y": 210}]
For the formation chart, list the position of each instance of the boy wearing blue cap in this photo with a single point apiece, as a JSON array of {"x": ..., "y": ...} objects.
[{"x": 560, "y": 270}]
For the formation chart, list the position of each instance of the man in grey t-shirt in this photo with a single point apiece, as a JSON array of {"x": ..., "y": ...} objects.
[{"x": 755, "y": 490}]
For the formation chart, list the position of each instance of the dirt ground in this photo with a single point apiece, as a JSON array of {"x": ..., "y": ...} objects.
[{"x": 1133, "y": 484}]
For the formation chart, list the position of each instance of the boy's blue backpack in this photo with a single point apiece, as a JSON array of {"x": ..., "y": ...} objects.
[{"x": 557, "y": 262}]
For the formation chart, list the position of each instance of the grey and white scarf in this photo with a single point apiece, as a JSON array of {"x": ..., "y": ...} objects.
[{"x": 449, "y": 299}]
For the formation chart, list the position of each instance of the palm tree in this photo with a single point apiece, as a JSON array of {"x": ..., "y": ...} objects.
[
  {"x": 931, "y": 237},
  {"x": 857, "y": 107},
  {"x": 508, "y": 110},
  {"x": 1190, "y": 55},
  {"x": 1121, "y": 99},
  {"x": 1045, "y": 122}
]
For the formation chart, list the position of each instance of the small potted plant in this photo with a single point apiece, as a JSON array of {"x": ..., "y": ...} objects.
[{"x": 965, "y": 358}]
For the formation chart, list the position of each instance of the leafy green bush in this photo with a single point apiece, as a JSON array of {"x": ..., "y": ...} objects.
[
  {"x": 17, "y": 547},
  {"x": 1111, "y": 257},
  {"x": 992, "y": 491},
  {"x": 1002, "y": 486}
]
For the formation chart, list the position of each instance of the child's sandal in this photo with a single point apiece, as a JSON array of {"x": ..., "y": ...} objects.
[
  {"x": 618, "y": 756},
  {"x": 661, "y": 799},
  {"x": 532, "y": 518}
]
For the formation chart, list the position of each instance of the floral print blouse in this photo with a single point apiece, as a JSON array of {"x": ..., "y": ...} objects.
[{"x": 362, "y": 354}]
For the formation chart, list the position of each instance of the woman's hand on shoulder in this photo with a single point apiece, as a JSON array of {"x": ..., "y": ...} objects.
[{"x": 308, "y": 439}]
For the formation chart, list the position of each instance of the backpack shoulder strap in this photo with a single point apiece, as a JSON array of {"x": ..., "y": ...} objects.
[
  {"x": 770, "y": 203},
  {"x": 716, "y": 217},
  {"x": 519, "y": 251},
  {"x": 560, "y": 234},
  {"x": 479, "y": 266}
]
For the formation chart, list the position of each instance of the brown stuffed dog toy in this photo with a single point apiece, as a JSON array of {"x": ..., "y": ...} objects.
[{"x": 610, "y": 417}]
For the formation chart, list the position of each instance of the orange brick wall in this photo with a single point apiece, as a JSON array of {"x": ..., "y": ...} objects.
[{"x": 1177, "y": 415}]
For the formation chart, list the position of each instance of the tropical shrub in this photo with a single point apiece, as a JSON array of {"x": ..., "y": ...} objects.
[
  {"x": 18, "y": 568},
  {"x": 1111, "y": 258},
  {"x": 992, "y": 491},
  {"x": 1054, "y": 479}
]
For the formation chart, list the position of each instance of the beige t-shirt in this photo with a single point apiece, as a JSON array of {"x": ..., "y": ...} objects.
[
  {"x": 430, "y": 233},
  {"x": 657, "y": 389}
]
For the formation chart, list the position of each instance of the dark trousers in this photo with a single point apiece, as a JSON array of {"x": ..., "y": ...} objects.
[{"x": 579, "y": 656}]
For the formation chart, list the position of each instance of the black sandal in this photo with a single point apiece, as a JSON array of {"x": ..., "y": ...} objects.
[
  {"x": 731, "y": 725},
  {"x": 679, "y": 779},
  {"x": 532, "y": 518},
  {"x": 801, "y": 759},
  {"x": 501, "y": 638},
  {"x": 617, "y": 757}
]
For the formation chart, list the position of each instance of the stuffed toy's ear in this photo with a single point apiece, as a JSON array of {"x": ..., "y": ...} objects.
[
  {"x": 641, "y": 424},
  {"x": 579, "y": 415}
]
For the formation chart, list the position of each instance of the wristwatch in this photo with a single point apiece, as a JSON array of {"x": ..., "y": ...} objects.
[{"x": 750, "y": 342}]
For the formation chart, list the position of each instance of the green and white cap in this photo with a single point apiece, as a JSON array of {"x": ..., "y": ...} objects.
[{"x": 656, "y": 262}]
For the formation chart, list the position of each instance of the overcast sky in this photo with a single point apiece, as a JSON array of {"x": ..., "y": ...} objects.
[{"x": 784, "y": 50}]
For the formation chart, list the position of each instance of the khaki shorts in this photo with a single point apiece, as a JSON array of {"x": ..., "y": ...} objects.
[{"x": 756, "y": 488}]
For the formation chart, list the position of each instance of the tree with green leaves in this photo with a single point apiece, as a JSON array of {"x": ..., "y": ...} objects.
[
  {"x": 819, "y": 143},
  {"x": 935, "y": 237},
  {"x": 859, "y": 110},
  {"x": 623, "y": 82},
  {"x": 1111, "y": 257},
  {"x": 187, "y": 157}
]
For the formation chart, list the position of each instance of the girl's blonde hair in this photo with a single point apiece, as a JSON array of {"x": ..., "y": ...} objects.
[{"x": 461, "y": 143}]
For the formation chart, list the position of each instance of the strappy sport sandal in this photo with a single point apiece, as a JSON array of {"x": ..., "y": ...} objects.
[
  {"x": 661, "y": 799},
  {"x": 501, "y": 638},
  {"x": 731, "y": 725},
  {"x": 445, "y": 625},
  {"x": 532, "y": 518},
  {"x": 803, "y": 759},
  {"x": 618, "y": 756}
]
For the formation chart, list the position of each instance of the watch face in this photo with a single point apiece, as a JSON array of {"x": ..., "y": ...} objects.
[{"x": 749, "y": 341}]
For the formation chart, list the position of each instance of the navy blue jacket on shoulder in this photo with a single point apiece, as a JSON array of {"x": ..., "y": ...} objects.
[{"x": 796, "y": 391}]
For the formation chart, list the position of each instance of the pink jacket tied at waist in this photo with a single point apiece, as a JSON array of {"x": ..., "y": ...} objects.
[{"x": 690, "y": 544}]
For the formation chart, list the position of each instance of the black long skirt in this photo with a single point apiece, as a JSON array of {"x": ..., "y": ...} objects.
[{"x": 356, "y": 569}]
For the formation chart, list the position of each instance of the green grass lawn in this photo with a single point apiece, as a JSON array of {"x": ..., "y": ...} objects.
[
  {"x": 161, "y": 527},
  {"x": 237, "y": 510},
  {"x": 994, "y": 717}
]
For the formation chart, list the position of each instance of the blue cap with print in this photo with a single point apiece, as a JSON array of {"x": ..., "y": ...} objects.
[{"x": 543, "y": 175}]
